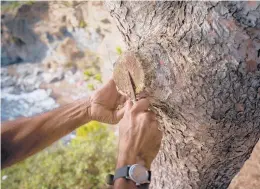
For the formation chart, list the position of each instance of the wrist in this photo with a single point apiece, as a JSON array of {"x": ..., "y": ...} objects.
[
  {"x": 130, "y": 159},
  {"x": 84, "y": 107}
]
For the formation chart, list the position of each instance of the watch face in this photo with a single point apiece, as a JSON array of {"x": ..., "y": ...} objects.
[{"x": 138, "y": 174}]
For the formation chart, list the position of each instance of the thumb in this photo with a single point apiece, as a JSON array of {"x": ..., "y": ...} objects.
[
  {"x": 119, "y": 114},
  {"x": 128, "y": 105}
]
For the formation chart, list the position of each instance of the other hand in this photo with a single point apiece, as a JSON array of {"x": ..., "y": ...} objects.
[
  {"x": 105, "y": 102},
  {"x": 139, "y": 136}
]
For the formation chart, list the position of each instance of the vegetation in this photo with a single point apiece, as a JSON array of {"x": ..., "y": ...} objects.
[
  {"x": 98, "y": 77},
  {"x": 83, "y": 163},
  {"x": 93, "y": 77},
  {"x": 88, "y": 72},
  {"x": 68, "y": 3},
  {"x": 12, "y": 5},
  {"x": 119, "y": 50},
  {"x": 82, "y": 24},
  {"x": 91, "y": 87}
]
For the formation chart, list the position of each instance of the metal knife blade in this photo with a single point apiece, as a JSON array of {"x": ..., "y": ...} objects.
[{"x": 132, "y": 86}]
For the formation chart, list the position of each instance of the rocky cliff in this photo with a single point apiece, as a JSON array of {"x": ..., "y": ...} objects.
[{"x": 46, "y": 49}]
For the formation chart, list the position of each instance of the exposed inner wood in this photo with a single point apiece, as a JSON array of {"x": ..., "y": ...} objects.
[{"x": 129, "y": 62}]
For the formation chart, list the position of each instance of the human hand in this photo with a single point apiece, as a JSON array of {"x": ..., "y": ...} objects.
[
  {"x": 139, "y": 136},
  {"x": 105, "y": 102}
]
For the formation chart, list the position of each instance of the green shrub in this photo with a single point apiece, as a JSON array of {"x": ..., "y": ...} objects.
[
  {"x": 30, "y": 2},
  {"x": 83, "y": 163},
  {"x": 98, "y": 77},
  {"x": 82, "y": 24},
  {"x": 91, "y": 87},
  {"x": 12, "y": 5},
  {"x": 119, "y": 50},
  {"x": 89, "y": 72}
]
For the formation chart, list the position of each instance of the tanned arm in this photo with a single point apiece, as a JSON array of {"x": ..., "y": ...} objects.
[{"x": 26, "y": 136}]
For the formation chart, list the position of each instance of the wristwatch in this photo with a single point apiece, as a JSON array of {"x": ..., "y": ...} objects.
[{"x": 137, "y": 173}]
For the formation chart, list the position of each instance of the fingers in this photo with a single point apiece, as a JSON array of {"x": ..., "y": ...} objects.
[
  {"x": 129, "y": 105},
  {"x": 151, "y": 116},
  {"x": 119, "y": 114},
  {"x": 121, "y": 99},
  {"x": 142, "y": 94},
  {"x": 111, "y": 83},
  {"x": 109, "y": 86},
  {"x": 141, "y": 105}
]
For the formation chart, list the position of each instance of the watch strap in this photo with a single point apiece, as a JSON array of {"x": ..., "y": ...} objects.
[
  {"x": 149, "y": 176},
  {"x": 122, "y": 172}
]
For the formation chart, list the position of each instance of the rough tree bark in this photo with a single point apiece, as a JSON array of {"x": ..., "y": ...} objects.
[{"x": 200, "y": 62}]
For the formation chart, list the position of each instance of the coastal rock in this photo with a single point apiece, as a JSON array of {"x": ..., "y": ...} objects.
[
  {"x": 7, "y": 81},
  {"x": 26, "y": 104},
  {"x": 53, "y": 77}
]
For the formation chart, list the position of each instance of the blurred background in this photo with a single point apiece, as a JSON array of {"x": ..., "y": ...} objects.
[{"x": 53, "y": 53}]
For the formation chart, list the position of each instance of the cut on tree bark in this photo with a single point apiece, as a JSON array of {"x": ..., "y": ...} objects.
[{"x": 202, "y": 70}]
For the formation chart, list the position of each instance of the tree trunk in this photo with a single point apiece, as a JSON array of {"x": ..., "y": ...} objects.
[{"x": 200, "y": 62}]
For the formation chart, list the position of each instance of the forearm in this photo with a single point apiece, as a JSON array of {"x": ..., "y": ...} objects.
[{"x": 24, "y": 137}]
